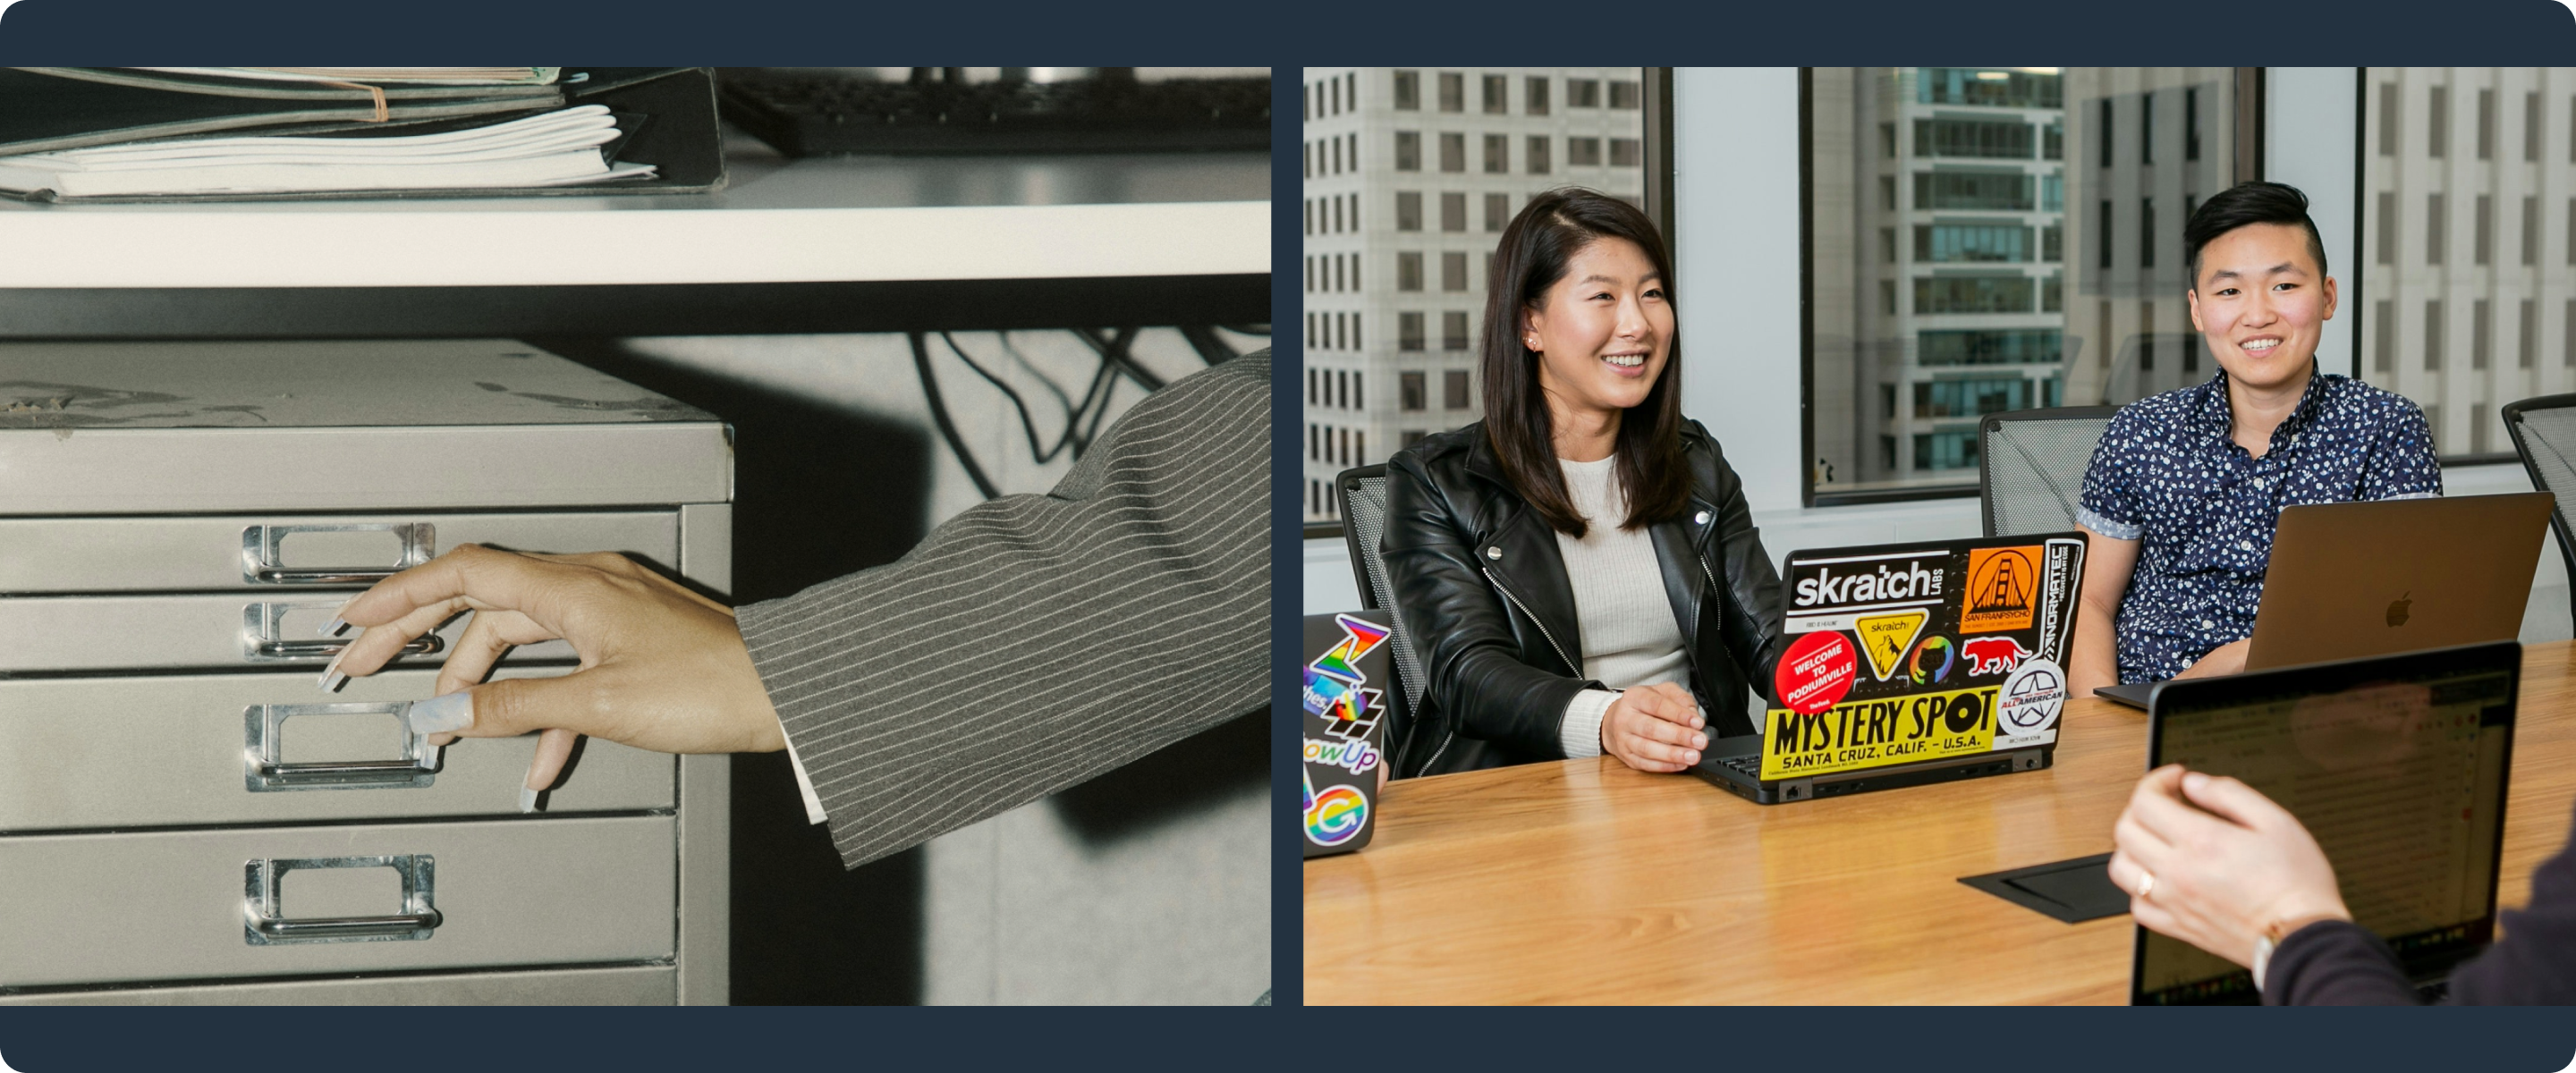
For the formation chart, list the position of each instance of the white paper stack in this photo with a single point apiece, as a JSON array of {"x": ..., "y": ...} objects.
[
  {"x": 554, "y": 149},
  {"x": 433, "y": 76}
]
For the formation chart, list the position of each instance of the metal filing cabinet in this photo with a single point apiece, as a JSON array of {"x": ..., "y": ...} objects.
[{"x": 186, "y": 818}]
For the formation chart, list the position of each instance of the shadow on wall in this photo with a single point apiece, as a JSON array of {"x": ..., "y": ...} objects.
[
  {"x": 1173, "y": 783},
  {"x": 819, "y": 492}
]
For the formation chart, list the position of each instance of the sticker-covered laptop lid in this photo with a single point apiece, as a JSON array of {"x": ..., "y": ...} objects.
[
  {"x": 1347, "y": 683},
  {"x": 1903, "y": 653}
]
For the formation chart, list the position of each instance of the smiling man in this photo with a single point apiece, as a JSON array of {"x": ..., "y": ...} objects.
[{"x": 2186, "y": 487}]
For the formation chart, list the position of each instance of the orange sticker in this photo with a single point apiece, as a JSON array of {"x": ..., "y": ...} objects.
[{"x": 2003, "y": 588}]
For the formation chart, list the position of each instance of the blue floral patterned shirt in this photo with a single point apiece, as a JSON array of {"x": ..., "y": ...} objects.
[{"x": 2168, "y": 475}]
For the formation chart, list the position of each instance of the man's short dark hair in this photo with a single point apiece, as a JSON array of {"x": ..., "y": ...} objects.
[{"x": 2254, "y": 202}]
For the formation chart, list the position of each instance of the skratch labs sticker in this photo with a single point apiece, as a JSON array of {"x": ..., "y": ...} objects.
[
  {"x": 1899, "y": 655},
  {"x": 1343, "y": 740}
]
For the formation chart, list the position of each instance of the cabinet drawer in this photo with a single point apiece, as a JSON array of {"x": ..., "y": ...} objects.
[
  {"x": 175, "y": 905},
  {"x": 170, "y": 631},
  {"x": 157, "y": 554},
  {"x": 624, "y": 985},
  {"x": 91, "y": 753}
]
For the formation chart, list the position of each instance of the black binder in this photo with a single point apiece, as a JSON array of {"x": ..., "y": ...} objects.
[{"x": 666, "y": 117}]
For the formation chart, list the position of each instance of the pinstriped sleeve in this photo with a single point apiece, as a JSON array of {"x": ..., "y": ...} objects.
[{"x": 1033, "y": 642}]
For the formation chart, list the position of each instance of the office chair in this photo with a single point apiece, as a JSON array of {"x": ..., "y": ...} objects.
[
  {"x": 1363, "y": 496},
  {"x": 2030, "y": 466},
  {"x": 2544, "y": 431}
]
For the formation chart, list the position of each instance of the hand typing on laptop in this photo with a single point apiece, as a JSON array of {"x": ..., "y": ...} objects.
[{"x": 2228, "y": 658}]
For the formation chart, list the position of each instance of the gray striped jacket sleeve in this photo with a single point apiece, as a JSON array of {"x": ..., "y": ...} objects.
[{"x": 1033, "y": 642}]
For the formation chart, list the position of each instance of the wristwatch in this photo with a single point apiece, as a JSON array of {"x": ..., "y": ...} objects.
[{"x": 2264, "y": 944}]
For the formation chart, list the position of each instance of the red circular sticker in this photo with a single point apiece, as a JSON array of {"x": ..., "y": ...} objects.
[{"x": 1816, "y": 672}]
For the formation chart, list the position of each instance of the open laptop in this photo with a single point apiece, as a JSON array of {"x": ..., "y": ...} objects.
[
  {"x": 2364, "y": 579},
  {"x": 2396, "y": 764},
  {"x": 1910, "y": 664}
]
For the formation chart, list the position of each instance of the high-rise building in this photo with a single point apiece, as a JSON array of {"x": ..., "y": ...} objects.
[
  {"x": 1409, "y": 175},
  {"x": 1997, "y": 238},
  {"x": 2468, "y": 200}
]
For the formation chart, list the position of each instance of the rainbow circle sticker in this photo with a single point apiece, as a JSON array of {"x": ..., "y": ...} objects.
[
  {"x": 1336, "y": 815},
  {"x": 1933, "y": 644}
]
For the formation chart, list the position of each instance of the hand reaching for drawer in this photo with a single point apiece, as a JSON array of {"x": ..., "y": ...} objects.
[{"x": 662, "y": 667}]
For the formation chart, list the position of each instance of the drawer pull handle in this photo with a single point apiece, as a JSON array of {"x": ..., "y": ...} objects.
[
  {"x": 261, "y": 565},
  {"x": 264, "y": 772},
  {"x": 423, "y": 645},
  {"x": 264, "y": 639},
  {"x": 264, "y": 925}
]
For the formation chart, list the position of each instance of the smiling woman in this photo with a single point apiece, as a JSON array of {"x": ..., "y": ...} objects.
[{"x": 1578, "y": 570}]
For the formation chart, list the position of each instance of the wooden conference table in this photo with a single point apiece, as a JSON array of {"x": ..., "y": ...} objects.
[{"x": 1583, "y": 881}]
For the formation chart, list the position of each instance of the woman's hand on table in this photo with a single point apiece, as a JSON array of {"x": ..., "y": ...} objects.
[{"x": 1654, "y": 728}]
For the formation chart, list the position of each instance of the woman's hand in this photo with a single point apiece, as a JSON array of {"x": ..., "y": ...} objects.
[
  {"x": 2223, "y": 876},
  {"x": 662, "y": 668},
  {"x": 2228, "y": 658},
  {"x": 1654, "y": 728}
]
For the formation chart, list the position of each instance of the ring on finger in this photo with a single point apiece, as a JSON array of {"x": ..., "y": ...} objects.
[{"x": 2146, "y": 884}]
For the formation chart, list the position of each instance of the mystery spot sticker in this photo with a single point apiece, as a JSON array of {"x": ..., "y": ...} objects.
[{"x": 1816, "y": 672}]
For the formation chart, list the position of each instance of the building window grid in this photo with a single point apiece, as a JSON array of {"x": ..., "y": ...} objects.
[
  {"x": 2437, "y": 123},
  {"x": 2433, "y": 229},
  {"x": 2527, "y": 335},
  {"x": 2486, "y": 124}
]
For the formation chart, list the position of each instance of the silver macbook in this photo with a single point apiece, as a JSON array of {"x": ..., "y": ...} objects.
[{"x": 2350, "y": 580}]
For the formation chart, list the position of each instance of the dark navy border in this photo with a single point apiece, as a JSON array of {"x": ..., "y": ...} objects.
[{"x": 2507, "y": 32}]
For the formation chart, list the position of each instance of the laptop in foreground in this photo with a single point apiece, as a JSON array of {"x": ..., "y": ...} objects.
[
  {"x": 2396, "y": 764},
  {"x": 1909, "y": 664},
  {"x": 2364, "y": 579}
]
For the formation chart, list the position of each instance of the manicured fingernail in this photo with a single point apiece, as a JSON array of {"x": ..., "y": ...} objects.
[
  {"x": 2194, "y": 781},
  {"x": 1699, "y": 741},
  {"x": 454, "y": 711},
  {"x": 331, "y": 676},
  {"x": 527, "y": 799},
  {"x": 1690, "y": 756}
]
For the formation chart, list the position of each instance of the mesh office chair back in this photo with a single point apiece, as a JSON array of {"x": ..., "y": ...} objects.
[
  {"x": 2030, "y": 466},
  {"x": 1363, "y": 495},
  {"x": 2544, "y": 434}
]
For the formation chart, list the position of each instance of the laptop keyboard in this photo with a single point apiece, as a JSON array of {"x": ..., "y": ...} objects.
[{"x": 1750, "y": 765}]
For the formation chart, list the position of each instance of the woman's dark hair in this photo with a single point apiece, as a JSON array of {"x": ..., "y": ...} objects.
[
  {"x": 1530, "y": 259},
  {"x": 2255, "y": 202}
]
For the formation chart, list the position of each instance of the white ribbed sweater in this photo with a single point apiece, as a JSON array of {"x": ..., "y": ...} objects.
[{"x": 1629, "y": 635}]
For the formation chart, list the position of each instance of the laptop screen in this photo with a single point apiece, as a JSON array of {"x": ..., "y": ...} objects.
[{"x": 2397, "y": 766}]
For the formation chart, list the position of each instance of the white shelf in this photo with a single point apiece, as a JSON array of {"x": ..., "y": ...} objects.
[{"x": 844, "y": 219}]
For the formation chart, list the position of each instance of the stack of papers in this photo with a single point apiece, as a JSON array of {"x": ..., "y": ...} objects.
[
  {"x": 553, "y": 149},
  {"x": 444, "y": 76}
]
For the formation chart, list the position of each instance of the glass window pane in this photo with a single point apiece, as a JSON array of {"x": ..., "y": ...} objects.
[
  {"x": 2035, "y": 261},
  {"x": 1469, "y": 146},
  {"x": 2499, "y": 298}
]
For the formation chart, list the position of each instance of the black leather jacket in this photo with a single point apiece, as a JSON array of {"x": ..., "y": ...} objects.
[{"x": 1486, "y": 602}]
